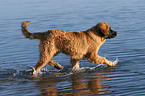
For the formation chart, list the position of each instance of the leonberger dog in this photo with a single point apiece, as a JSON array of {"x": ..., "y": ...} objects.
[{"x": 77, "y": 45}]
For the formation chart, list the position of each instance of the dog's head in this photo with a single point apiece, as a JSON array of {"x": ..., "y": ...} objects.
[{"x": 105, "y": 30}]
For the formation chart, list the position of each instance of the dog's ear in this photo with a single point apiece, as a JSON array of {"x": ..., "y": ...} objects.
[{"x": 103, "y": 28}]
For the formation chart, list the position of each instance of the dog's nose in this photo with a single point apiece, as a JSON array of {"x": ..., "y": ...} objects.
[{"x": 115, "y": 33}]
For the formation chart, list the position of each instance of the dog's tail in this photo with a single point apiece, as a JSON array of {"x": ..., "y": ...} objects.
[{"x": 28, "y": 34}]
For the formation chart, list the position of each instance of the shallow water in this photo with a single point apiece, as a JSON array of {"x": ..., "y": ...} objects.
[{"x": 18, "y": 55}]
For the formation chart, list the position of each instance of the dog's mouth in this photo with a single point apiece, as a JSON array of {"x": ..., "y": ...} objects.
[{"x": 112, "y": 34}]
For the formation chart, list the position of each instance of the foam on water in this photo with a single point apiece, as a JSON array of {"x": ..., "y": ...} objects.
[
  {"x": 67, "y": 71},
  {"x": 116, "y": 61}
]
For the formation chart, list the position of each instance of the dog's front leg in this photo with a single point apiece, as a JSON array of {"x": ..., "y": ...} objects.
[
  {"x": 75, "y": 64},
  {"x": 94, "y": 58}
]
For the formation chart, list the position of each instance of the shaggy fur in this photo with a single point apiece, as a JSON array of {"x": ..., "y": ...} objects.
[{"x": 77, "y": 45}]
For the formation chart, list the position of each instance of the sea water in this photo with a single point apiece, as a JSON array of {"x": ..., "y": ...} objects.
[{"x": 18, "y": 54}]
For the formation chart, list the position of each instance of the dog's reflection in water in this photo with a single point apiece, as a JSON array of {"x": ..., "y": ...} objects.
[{"x": 78, "y": 85}]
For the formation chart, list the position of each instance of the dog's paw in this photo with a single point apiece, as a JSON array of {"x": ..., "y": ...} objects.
[
  {"x": 34, "y": 74},
  {"x": 113, "y": 63},
  {"x": 59, "y": 67},
  {"x": 110, "y": 63}
]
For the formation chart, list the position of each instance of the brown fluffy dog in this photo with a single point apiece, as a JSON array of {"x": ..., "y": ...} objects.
[{"x": 76, "y": 45}]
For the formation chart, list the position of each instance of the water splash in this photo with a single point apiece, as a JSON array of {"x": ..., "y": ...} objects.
[
  {"x": 35, "y": 74},
  {"x": 67, "y": 71},
  {"x": 116, "y": 61},
  {"x": 89, "y": 69}
]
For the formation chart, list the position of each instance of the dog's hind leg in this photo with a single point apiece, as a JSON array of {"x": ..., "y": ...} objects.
[
  {"x": 45, "y": 56},
  {"x": 41, "y": 63},
  {"x": 75, "y": 63},
  {"x": 44, "y": 59},
  {"x": 55, "y": 65}
]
